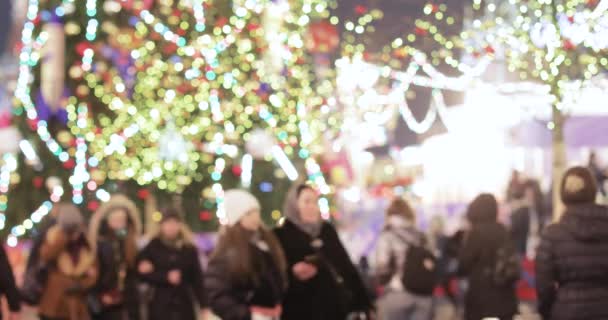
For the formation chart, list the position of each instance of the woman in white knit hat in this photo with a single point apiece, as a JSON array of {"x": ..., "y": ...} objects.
[{"x": 246, "y": 278}]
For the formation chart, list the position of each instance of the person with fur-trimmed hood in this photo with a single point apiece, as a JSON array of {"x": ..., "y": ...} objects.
[
  {"x": 171, "y": 266},
  {"x": 72, "y": 268},
  {"x": 113, "y": 231}
]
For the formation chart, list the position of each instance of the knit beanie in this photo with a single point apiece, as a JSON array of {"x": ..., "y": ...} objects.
[
  {"x": 70, "y": 219},
  {"x": 237, "y": 204},
  {"x": 578, "y": 186}
]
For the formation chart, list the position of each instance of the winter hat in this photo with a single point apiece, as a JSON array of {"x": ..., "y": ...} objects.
[
  {"x": 292, "y": 213},
  {"x": 483, "y": 209},
  {"x": 237, "y": 204},
  {"x": 578, "y": 186},
  {"x": 70, "y": 219}
]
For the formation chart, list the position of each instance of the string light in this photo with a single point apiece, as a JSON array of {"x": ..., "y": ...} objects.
[
  {"x": 247, "y": 166},
  {"x": 27, "y": 60},
  {"x": 92, "y": 24},
  {"x": 9, "y": 166}
]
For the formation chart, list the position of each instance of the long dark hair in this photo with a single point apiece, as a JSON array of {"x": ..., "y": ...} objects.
[{"x": 234, "y": 245}]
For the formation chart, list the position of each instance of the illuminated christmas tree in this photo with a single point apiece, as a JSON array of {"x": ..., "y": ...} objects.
[{"x": 172, "y": 96}]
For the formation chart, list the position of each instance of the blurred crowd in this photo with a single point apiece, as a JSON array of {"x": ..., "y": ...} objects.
[{"x": 300, "y": 270}]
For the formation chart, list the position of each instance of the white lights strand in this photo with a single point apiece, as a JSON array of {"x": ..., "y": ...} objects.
[
  {"x": 247, "y": 166},
  {"x": 284, "y": 162},
  {"x": 9, "y": 166},
  {"x": 80, "y": 176},
  {"x": 218, "y": 190},
  {"x": 27, "y": 60},
  {"x": 92, "y": 24}
]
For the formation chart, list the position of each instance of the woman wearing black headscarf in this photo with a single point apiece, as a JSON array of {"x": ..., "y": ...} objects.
[{"x": 323, "y": 282}]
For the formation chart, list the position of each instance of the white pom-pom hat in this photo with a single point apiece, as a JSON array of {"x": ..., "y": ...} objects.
[{"x": 237, "y": 204}]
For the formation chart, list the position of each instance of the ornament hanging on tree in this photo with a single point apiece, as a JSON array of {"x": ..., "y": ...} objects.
[
  {"x": 172, "y": 145},
  {"x": 322, "y": 37},
  {"x": 53, "y": 182},
  {"x": 260, "y": 144}
]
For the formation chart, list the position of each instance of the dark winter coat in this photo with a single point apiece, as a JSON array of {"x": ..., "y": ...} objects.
[
  {"x": 478, "y": 255},
  {"x": 170, "y": 302},
  {"x": 112, "y": 265},
  {"x": 7, "y": 284},
  {"x": 520, "y": 228},
  {"x": 320, "y": 298},
  {"x": 572, "y": 266},
  {"x": 230, "y": 298},
  {"x": 116, "y": 255}
]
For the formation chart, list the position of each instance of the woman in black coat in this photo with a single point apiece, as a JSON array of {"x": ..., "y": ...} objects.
[
  {"x": 113, "y": 231},
  {"x": 170, "y": 265},
  {"x": 246, "y": 275},
  {"x": 572, "y": 261},
  {"x": 485, "y": 298},
  {"x": 323, "y": 282}
]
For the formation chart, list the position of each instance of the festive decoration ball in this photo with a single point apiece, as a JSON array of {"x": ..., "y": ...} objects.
[
  {"x": 237, "y": 170},
  {"x": 205, "y": 215},
  {"x": 93, "y": 205},
  {"x": 143, "y": 194},
  {"x": 323, "y": 37},
  {"x": 52, "y": 182},
  {"x": 98, "y": 176},
  {"x": 70, "y": 164},
  {"x": 10, "y": 138},
  {"x": 260, "y": 144},
  {"x": 64, "y": 137},
  {"x": 339, "y": 175},
  {"x": 38, "y": 182}
]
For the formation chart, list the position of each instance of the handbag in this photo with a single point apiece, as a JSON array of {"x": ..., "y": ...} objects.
[{"x": 33, "y": 284}]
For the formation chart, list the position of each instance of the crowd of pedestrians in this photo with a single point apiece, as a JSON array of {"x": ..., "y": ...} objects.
[{"x": 301, "y": 270}]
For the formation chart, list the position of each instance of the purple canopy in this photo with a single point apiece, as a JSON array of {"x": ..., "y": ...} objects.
[{"x": 579, "y": 132}]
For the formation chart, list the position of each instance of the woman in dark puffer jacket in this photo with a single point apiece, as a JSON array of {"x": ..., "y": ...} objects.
[
  {"x": 246, "y": 277},
  {"x": 572, "y": 261}
]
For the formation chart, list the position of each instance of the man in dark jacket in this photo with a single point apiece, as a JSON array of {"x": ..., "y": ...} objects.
[
  {"x": 478, "y": 257},
  {"x": 572, "y": 261}
]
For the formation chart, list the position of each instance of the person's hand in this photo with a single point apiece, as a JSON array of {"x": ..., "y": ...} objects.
[
  {"x": 145, "y": 267},
  {"x": 266, "y": 312},
  {"x": 304, "y": 271},
  {"x": 107, "y": 300},
  {"x": 206, "y": 314},
  {"x": 92, "y": 273},
  {"x": 175, "y": 277}
]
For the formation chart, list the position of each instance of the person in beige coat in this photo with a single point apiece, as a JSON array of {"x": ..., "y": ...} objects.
[{"x": 71, "y": 266}]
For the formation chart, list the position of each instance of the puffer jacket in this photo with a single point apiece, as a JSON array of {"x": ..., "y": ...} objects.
[
  {"x": 230, "y": 298},
  {"x": 391, "y": 251},
  {"x": 572, "y": 266}
]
